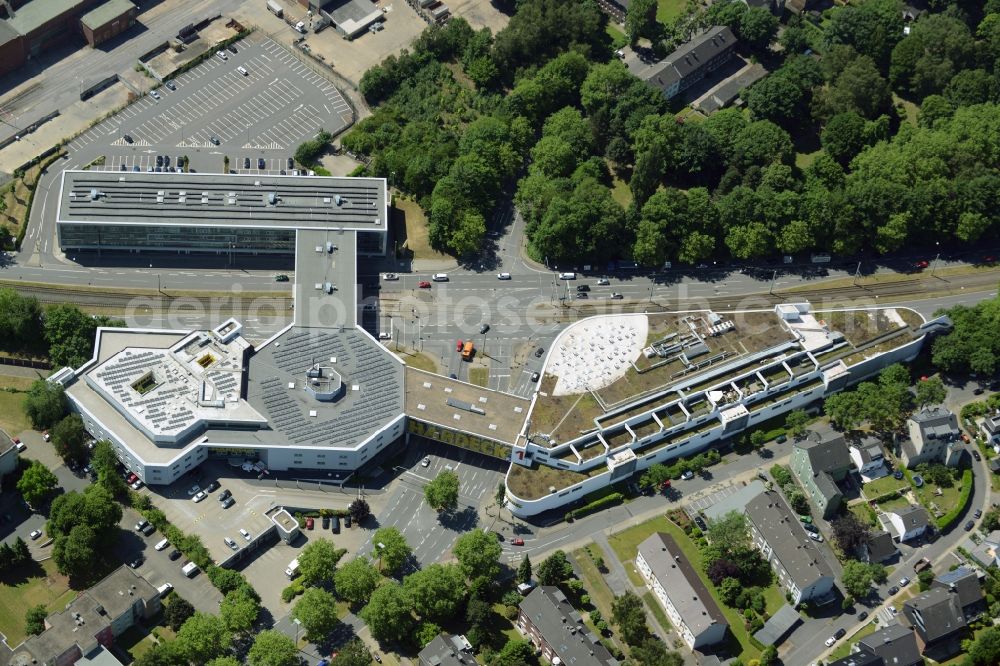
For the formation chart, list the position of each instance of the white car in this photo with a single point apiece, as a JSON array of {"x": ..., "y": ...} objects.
[
  {"x": 35, "y": 534},
  {"x": 193, "y": 489},
  {"x": 200, "y": 496},
  {"x": 503, "y": 276},
  {"x": 904, "y": 581},
  {"x": 222, "y": 54},
  {"x": 603, "y": 282},
  {"x": 246, "y": 535},
  {"x": 154, "y": 94},
  {"x": 687, "y": 476},
  {"x": 137, "y": 484},
  {"x": 390, "y": 277},
  {"x": 815, "y": 537},
  {"x": 830, "y": 641},
  {"x": 426, "y": 461}
]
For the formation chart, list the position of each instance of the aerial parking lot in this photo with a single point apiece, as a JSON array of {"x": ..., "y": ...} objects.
[{"x": 243, "y": 102}]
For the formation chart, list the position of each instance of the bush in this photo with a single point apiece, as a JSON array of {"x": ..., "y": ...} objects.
[
  {"x": 782, "y": 477},
  {"x": 293, "y": 590},
  {"x": 947, "y": 519},
  {"x": 598, "y": 504},
  {"x": 308, "y": 151}
]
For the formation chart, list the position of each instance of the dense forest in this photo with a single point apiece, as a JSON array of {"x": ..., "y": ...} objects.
[{"x": 864, "y": 135}]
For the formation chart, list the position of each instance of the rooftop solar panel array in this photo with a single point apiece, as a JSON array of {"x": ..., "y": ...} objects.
[{"x": 373, "y": 395}]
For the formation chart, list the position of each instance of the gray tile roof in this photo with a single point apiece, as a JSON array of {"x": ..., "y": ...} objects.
[
  {"x": 895, "y": 644},
  {"x": 860, "y": 658},
  {"x": 913, "y": 517},
  {"x": 786, "y": 537},
  {"x": 826, "y": 455},
  {"x": 689, "y": 58},
  {"x": 880, "y": 546},
  {"x": 964, "y": 582},
  {"x": 444, "y": 650},
  {"x": 684, "y": 588},
  {"x": 555, "y": 619},
  {"x": 778, "y": 625},
  {"x": 936, "y": 422},
  {"x": 935, "y": 614}
]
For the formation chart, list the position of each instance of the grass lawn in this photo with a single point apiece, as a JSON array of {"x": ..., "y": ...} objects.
[
  {"x": 136, "y": 642},
  {"x": 865, "y": 513},
  {"x": 883, "y": 486},
  {"x": 618, "y": 38},
  {"x": 626, "y": 543},
  {"x": 894, "y": 504},
  {"x": 50, "y": 589},
  {"x": 13, "y": 420},
  {"x": 479, "y": 376},
  {"x": 941, "y": 504},
  {"x": 600, "y": 594},
  {"x": 804, "y": 160},
  {"x": 845, "y": 647},
  {"x": 657, "y": 610},
  {"x": 620, "y": 192},
  {"x": 668, "y": 10},
  {"x": 410, "y": 224},
  {"x": 419, "y": 360}
]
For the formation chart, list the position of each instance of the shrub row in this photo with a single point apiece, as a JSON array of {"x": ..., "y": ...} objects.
[
  {"x": 596, "y": 505},
  {"x": 963, "y": 499}
]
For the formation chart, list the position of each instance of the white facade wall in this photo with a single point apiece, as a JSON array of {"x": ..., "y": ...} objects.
[{"x": 710, "y": 636}]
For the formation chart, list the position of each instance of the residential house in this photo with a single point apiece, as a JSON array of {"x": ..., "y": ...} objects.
[
  {"x": 672, "y": 578},
  {"x": 907, "y": 523},
  {"x": 895, "y": 644},
  {"x": 548, "y": 620},
  {"x": 779, "y": 535},
  {"x": 879, "y": 547},
  {"x": 935, "y": 615},
  {"x": 869, "y": 459},
  {"x": 616, "y": 9},
  {"x": 987, "y": 552},
  {"x": 773, "y": 6},
  {"x": 819, "y": 464},
  {"x": 965, "y": 583},
  {"x": 447, "y": 650},
  {"x": 691, "y": 62},
  {"x": 934, "y": 436},
  {"x": 93, "y": 620},
  {"x": 991, "y": 427},
  {"x": 860, "y": 658}
]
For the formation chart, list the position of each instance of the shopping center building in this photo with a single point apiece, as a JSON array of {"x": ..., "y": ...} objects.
[{"x": 618, "y": 393}]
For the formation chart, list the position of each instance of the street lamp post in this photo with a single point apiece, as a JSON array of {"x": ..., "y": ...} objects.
[
  {"x": 380, "y": 547},
  {"x": 936, "y": 258},
  {"x": 773, "y": 278}
]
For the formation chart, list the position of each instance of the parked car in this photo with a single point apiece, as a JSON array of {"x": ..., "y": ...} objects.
[
  {"x": 215, "y": 140},
  {"x": 225, "y": 494},
  {"x": 194, "y": 490},
  {"x": 141, "y": 524},
  {"x": 815, "y": 536},
  {"x": 154, "y": 94},
  {"x": 426, "y": 461},
  {"x": 969, "y": 525},
  {"x": 830, "y": 641},
  {"x": 781, "y": 439},
  {"x": 212, "y": 487},
  {"x": 174, "y": 555},
  {"x": 137, "y": 484},
  {"x": 424, "y": 284},
  {"x": 539, "y": 352},
  {"x": 137, "y": 562},
  {"x": 503, "y": 276},
  {"x": 840, "y": 633},
  {"x": 291, "y": 163},
  {"x": 309, "y": 523},
  {"x": 392, "y": 277},
  {"x": 534, "y": 377},
  {"x": 326, "y": 522},
  {"x": 863, "y": 615},
  {"x": 978, "y": 514},
  {"x": 246, "y": 162},
  {"x": 170, "y": 83},
  {"x": 893, "y": 590},
  {"x": 347, "y": 520},
  {"x": 336, "y": 525},
  {"x": 228, "y": 502},
  {"x": 904, "y": 581},
  {"x": 35, "y": 534},
  {"x": 688, "y": 475},
  {"x": 260, "y": 163},
  {"x": 517, "y": 541},
  {"x": 281, "y": 277},
  {"x": 975, "y": 454},
  {"x": 232, "y": 544},
  {"x": 485, "y": 328},
  {"x": 199, "y": 496},
  {"x": 245, "y": 534}
]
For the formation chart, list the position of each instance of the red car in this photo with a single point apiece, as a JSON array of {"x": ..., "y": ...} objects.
[
  {"x": 132, "y": 478},
  {"x": 424, "y": 284},
  {"x": 459, "y": 345},
  {"x": 309, "y": 523},
  {"x": 989, "y": 259},
  {"x": 517, "y": 542},
  {"x": 921, "y": 265}
]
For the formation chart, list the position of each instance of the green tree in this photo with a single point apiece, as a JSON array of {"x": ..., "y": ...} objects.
[
  {"x": 34, "y": 620},
  {"x": 655, "y": 476},
  {"x": 986, "y": 648},
  {"x": 20, "y": 320},
  {"x": 849, "y": 533},
  {"x": 202, "y": 637},
  {"x": 227, "y": 580},
  {"x": 104, "y": 464},
  {"x": 359, "y": 510},
  {"x": 76, "y": 552},
  {"x": 640, "y": 20},
  {"x": 796, "y": 422},
  {"x": 437, "y": 591},
  {"x": 441, "y": 494},
  {"x": 478, "y": 553},
  {"x": 273, "y": 648},
  {"x": 69, "y": 437},
  {"x": 628, "y": 613},
  {"x": 873, "y": 28},
  {"x": 356, "y": 580},
  {"x": 390, "y": 549},
  {"x": 758, "y": 27},
  {"x": 94, "y": 507},
  {"x": 389, "y": 613},
  {"x": 317, "y": 612},
  {"x": 844, "y": 136},
  {"x": 857, "y": 579},
  {"x": 352, "y": 653},
  {"x": 177, "y": 612},
  {"x": 239, "y": 610},
  {"x": 45, "y": 404},
  {"x": 798, "y": 501},
  {"x": 524, "y": 570},
  {"x": 729, "y": 590},
  {"x": 554, "y": 569},
  {"x": 426, "y": 632},
  {"x": 309, "y": 151},
  {"x": 925, "y": 577},
  {"x": 318, "y": 562},
  {"x": 36, "y": 483},
  {"x": 762, "y": 143},
  {"x": 515, "y": 652},
  {"x": 70, "y": 334},
  {"x": 930, "y": 391}
]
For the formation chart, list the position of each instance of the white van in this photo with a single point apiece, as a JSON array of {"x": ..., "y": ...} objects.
[
  {"x": 567, "y": 276},
  {"x": 440, "y": 277},
  {"x": 162, "y": 545},
  {"x": 189, "y": 569},
  {"x": 164, "y": 589},
  {"x": 300, "y": 27},
  {"x": 243, "y": 70},
  {"x": 293, "y": 568}
]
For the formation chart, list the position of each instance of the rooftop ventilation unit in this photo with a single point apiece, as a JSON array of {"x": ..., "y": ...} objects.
[{"x": 338, "y": 199}]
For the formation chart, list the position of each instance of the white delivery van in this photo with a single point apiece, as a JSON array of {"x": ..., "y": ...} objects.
[
  {"x": 189, "y": 569},
  {"x": 293, "y": 568},
  {"x": 164, "y": 589},
  {"x": 275, "y": 8},
  {"x": 567, "y": 276},
  {"x": 162, "y": 545},
  {"x": 440, "y": 277}
]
